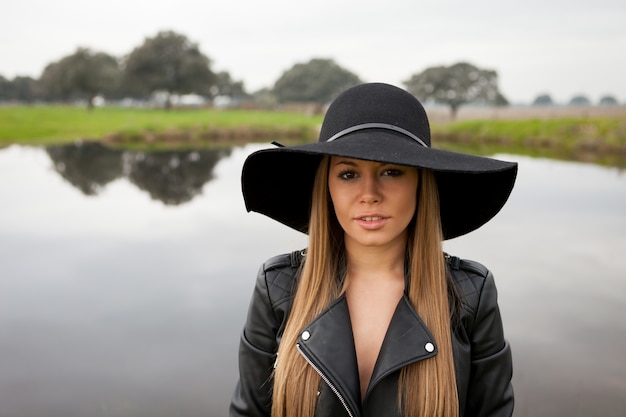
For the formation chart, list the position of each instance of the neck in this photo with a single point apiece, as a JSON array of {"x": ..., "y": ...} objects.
[{"x": 375, "y": 262}]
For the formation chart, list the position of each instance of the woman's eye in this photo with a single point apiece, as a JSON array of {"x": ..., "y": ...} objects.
[
  {"x": 347, "y": 175},
  {"x": 392, "y": 172}
]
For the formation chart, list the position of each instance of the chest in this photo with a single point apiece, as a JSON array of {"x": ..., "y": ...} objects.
[{"x": 371, "y": 311}]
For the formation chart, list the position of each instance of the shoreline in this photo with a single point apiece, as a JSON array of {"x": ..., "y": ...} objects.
[{"x": 590, "y": 134}]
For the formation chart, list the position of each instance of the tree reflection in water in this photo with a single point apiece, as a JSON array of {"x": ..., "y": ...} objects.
[
  {"x": 172, "y": 177},
  {"x": 87, "y": 166}
]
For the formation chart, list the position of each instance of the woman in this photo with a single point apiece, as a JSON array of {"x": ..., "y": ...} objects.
[{"x": 373, "y": 319}]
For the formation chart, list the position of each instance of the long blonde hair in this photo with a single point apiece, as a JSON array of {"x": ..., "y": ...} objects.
[{"x": 426, "y": 388}]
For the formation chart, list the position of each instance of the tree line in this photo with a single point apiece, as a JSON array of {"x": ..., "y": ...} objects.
[
  {"x": 172, "y": 64},
  {"x": 167, "y": 62}
]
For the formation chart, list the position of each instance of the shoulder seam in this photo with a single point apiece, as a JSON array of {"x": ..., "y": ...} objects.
[
  {"x": 474, "y": 267},
  {"x": 286, "y": 259},
  {"x": 465, "y": 264}
]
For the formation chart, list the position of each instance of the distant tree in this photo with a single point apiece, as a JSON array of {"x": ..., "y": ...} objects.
[
  {"x": 5, "y": 89},
  {"x": 456, "y": 85},
  {"x": 501, "y": 101},
  {"x": 264, "y": 98},
  {"x": 25, "y": 89},
  {"x": 20, "y": 89},
  {"x": 543, "y": 100},
  {"x": 168, "y": 62},
  {"x": 608, "y": 100},
  {"x": 84, "y": 74},
  {"x": 317, "y": 81},
  {"x": 580, "y": 100},
  {"x": 225, "y": 86}
]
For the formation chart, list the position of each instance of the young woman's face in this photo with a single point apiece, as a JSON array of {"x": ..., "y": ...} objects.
[{"x": 374, "y": 202}]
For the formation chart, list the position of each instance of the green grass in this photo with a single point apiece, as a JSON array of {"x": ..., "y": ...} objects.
[
  {"x": 609, "y": 131},
  {"x": 62, "y": 124},
  {"x": 601, "y": 140}
]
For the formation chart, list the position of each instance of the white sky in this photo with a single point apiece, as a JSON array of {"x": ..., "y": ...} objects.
[{"x": 559, "y": 47}]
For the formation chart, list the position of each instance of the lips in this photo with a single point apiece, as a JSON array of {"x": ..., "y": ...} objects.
[
  {"x": 371, "y": 221},
  {"x": 370, "y": 218}
]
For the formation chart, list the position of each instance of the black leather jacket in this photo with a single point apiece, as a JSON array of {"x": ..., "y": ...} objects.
[{"x": 482, "y": 356}]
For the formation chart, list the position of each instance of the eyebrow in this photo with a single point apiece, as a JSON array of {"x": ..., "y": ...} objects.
[{"x": 344, "y": 162}]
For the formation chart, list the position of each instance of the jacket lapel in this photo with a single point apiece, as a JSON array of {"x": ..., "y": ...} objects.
[
  {"x": 407, "y": 340},
  {"x": 328, "y": 345}
]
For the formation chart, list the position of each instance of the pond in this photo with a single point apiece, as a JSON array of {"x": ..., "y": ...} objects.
[{"x": 126, "y": 277}]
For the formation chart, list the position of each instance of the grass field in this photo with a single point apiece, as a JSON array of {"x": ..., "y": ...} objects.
[
  {"x": 61, "y": 124},
  {"x": 574, "y": 133}
]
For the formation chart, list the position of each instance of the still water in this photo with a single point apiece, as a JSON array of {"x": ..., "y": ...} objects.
[{"x": 125, "y": 279}]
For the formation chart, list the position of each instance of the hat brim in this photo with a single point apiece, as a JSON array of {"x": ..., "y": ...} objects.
[{"x": 278, "y": 182}]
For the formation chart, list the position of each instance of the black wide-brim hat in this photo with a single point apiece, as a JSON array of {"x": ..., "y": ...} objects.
[{"x": 382, "y": 123}]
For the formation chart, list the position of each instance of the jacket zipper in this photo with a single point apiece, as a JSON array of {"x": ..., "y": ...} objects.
[{"x": 325, "y": 379}]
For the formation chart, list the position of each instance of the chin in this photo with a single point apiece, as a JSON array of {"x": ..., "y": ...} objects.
[{"x": 373, "y": 241}]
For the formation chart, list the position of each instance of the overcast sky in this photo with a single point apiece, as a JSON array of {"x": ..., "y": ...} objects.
[{"x": 559, "y": 47}]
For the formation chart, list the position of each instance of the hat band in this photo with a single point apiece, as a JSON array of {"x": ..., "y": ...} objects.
[{"x": 377, "y": 126}]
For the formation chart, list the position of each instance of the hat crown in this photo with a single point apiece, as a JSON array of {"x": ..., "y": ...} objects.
[{"x": 376, "y": 103}]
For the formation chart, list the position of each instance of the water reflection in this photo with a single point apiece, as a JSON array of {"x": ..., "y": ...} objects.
[
  {"x": 88, "y": 166},
  {"x": 117, "y": 305},
  {"x": 172, "y": 177}
]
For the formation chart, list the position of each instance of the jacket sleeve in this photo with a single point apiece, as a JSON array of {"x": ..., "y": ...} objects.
[
  {"x": 490, "y": 393},
  {"x": 257, "y": 349}
]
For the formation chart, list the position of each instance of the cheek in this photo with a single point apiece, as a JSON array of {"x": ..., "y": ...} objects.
[{"x": 340, "y": 202}]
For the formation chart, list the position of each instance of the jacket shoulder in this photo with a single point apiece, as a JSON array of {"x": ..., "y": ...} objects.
[
  {"x": 292, "y": 259},
  {"x": 279, "y": 274},
  {"x": 470, "y": 278}
]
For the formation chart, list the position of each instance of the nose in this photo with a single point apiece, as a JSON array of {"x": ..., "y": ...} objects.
[{"x": 370, "y": 189}]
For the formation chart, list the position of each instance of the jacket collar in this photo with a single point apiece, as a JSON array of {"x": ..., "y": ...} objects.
[{"x": 328, "y": 345}]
